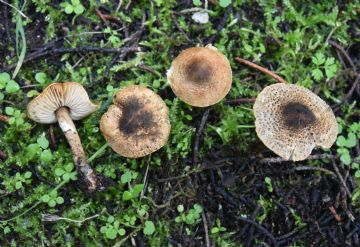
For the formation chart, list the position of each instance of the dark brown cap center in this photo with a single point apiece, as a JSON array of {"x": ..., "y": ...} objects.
[
  {"x": 135, "y": 120},
  {"x": 199, "y": 71},
  {"x": 297, "y": 116}
]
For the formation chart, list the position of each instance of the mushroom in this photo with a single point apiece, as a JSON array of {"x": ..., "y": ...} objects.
[
  {"x": 292, "y": 121},
  {"x": 63, "y": 103},
  {"x": 137, "y": 124},
  {"x": 200, "y": 76}
]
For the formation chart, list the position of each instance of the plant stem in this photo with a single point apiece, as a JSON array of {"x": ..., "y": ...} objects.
[
  {"x": 85, "y": 172},
  {"x": 35, "y": 205},
  {"x": 96, "y": 154}
]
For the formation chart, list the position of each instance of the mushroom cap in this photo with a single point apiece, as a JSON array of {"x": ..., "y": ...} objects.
[
  {"x": 72, "y": 95},
  {"x": 292, "y": 121},
  {"x": 137, "y": 124},
  {"x": 200, "y": 76}
]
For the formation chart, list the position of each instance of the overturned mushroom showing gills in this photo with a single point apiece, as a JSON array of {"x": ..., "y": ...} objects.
[
  {"x": 200, "y": 76},
  {"x": 63, "y": 103},
  {"x": 292, "y": 121},
  {"x": 137, "y": 124}
]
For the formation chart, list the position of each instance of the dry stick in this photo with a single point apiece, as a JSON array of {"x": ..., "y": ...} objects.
[
  {"x": 239, "y": 101},
  {"x": 341, "y": 178},
  {"x": 85, "y": 171},
  {"x": 42, "y": 53},
  {"x": 346, "y": 55},
  {"x": 311, "y": 157},
  {"x": 336, "y": 216},
  {"x": 259, "y": 227},
  {"x": 262, "y": 69},
  {"x": 198, "y": 135},
  {"x": 105, "y": 17},
  {"x": 52, "y": 136},
  {"x": 4, "y": 118},
  {"x": 205, "y": 229}
]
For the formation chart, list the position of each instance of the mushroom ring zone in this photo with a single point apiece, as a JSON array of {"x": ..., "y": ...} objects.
[{"x": 292, "y": 121}]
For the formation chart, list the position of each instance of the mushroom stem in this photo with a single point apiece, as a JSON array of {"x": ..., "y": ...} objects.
[{"x": 85, "y": 172}]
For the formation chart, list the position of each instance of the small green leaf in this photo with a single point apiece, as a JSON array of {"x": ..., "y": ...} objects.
[
  {"x": 75, "y": 2},
  {"x": 43, "y": 142},
  {"x": 79, "y": 9},
  {"x": 59, "y": 171},
  {"x": 12, "y": 87},
  {"x": 69, "y": 9},
  {"x": 18, "y": 185},
  {"x": 357, "y": 174},
  {"x": 110, "y": 233},
  {"x": 45, "y": 198},
  {"x": 126, "y": 196},
  {"x": 137, "y": 190},
  {"x": 52, "y": 203},
  {"x": 4, "y": 78},
  {"x": 27, "y": 174},
  {"x": 40, "y": 77},
  {"x": 126, "y": 177},
  {"x": 32, "y": 93},
  {"x": 149, "y": 227},
  {"x": 110, "y": 219},
  {"x": 317, "y": 74},
  {"x": 103, "y": 229},
  {"x": 59, "y": 200},
  {"x": 197, "y": 2},
  {"x": 122, "y": 232},
  {"x": 215, "y": 230},
  {"x": 180, "y": 208},
  {"x": 9, "y": 110},
  {"x": 46, "y": 156},
  {"x": 224, "y": 3}
]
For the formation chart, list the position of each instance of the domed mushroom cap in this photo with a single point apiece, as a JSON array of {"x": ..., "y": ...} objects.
[
  {"x": 292, "y": 121},
  {"x": 72, "y": 95},
  {"x": 200, "y": 76},
  {"x": 137, "y": 124}
]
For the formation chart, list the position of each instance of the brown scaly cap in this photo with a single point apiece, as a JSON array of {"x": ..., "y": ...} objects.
[
  {"x": 69, "y": 94},
  {"x": 200, "y": 76},
  {"x": 137, "y": 124},
  {"x": 292, "y": 120}
]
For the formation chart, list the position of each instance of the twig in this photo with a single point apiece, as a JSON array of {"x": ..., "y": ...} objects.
[
  {"x": 239, "y": 101},
  {"x": 177, "y": 25},
  {"x": 55, "y": 218},
  {"x": 346, "y": 55},
  {"x": 4, "y": 118},
  {"x": 105, "y": 17},
  {"x": 17, "y": 10},
  {"x": 349, "y": 93},
  {"x": 144, "y": 67},
  {"x": 205, "y": 229},
  {"x": 260, "y": 228},
  {"x": 341, "y": 178},
  {"x": 311, "y": 157},
  {"x": 198, "y": 135},
  {"x": 52, "y": 136},
  {"x": 40, "y": 54},
  {"x": 262, "y": 69},
  {"x": 336, "y": 216},
  {"x": 312, "y": 168}
]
